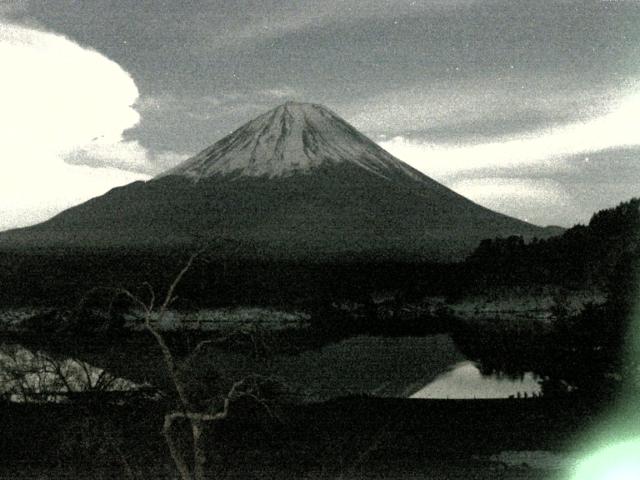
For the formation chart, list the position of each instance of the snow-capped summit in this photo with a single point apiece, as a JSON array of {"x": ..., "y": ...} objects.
[{"x": 292, "y": 138}]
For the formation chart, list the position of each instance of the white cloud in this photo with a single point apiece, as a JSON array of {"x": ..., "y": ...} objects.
[
  {"x": 534, "y": 200},
  {"x": 167, "y": 160},
  {"x": 279, "y": 92},
  {"x": 127, "y": 155},
  {"x": 496, "y": 174},
  {"x": 545, "y": 149},
  {"x": 59, "y": 98},
  {"x": 36, "y": 197},
  {"x": 510, "y": 189}
]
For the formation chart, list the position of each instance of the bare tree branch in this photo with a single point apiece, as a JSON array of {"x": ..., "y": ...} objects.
[
  {"x": 169, "y": 297},
  {"x": 248, "y": 387},
  {"x": 174, "y": 451}
]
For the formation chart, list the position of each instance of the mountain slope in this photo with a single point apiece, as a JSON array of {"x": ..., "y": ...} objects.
[{"x": 295, "y": 183}]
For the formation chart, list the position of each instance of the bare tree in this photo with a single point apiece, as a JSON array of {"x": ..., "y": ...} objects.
[
  {"x": 37, "y": 376},
  {"x": 195, "y": 415}
]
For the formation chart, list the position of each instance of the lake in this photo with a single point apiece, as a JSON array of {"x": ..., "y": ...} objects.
[
  {"x": 465, "y": 381},
  {"x": 415, "y": 367}
]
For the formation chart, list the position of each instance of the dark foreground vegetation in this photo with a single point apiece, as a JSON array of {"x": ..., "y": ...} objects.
[
  {"x": 603, "y": 253},
  {"x": 342, "y": 438}
]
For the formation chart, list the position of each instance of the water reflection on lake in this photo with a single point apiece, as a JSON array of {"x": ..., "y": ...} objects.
[
  {"x": 388, "y": 367},
  {"x": 464, "y": 380}
]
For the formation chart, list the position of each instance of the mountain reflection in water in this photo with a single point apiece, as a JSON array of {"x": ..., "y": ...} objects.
[
  {"x": 464, "y": 380},
  {"x": 27, "y": 376}
]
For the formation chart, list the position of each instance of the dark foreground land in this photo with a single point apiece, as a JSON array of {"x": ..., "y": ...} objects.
[{"x": 353, "y": 437}]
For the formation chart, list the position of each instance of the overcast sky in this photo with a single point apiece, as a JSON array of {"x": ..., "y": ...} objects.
[{"x": 529, "y": 107}]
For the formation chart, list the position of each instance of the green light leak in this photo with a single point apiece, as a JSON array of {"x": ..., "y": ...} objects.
[
  {"x": 617, "y": 462},
  {"x": 613, "y": 451}
]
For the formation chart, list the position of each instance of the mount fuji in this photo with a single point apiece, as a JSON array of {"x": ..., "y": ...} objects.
[{"x": 296, "y": 183}]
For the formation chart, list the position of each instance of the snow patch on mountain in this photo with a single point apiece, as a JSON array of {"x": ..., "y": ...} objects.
[{"x": 290, "y": 139}]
